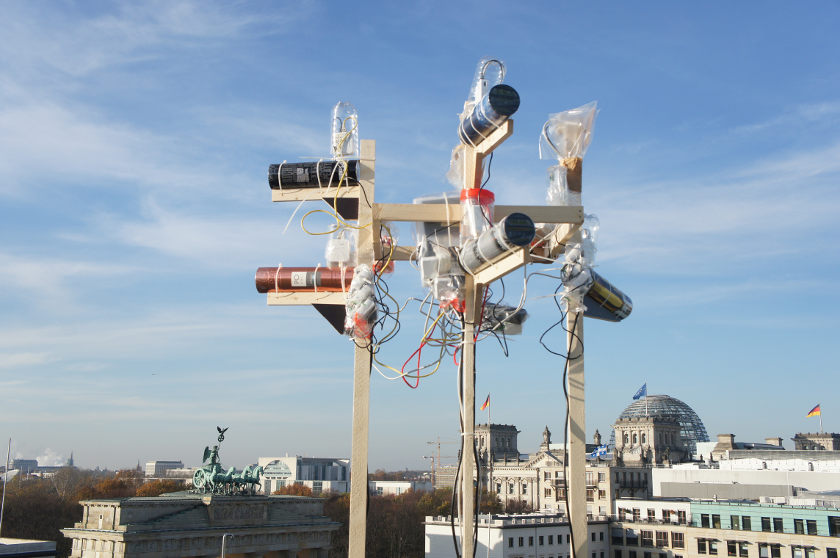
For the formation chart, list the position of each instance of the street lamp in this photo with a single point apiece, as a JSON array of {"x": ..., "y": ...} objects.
[{"x": 224, "y": 542}]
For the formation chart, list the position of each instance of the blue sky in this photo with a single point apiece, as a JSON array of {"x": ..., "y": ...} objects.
[{"x": 134, "y": 140}]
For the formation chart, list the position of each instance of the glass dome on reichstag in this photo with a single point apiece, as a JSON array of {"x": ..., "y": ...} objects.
[{"x": 691, "y": 427}]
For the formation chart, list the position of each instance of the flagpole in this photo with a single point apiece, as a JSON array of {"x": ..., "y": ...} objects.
[
  {"x": 5, "y": 479},
  {"x": 646, "y": 406},
  {"x": 821, "y": 430},
  {"x": 490, "y": 488}
]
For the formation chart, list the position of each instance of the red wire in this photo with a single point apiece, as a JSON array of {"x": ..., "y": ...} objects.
[{"x": 402, "y": 370}]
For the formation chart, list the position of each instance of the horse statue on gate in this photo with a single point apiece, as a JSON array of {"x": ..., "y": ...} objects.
[{"x": 213, "y": 479}]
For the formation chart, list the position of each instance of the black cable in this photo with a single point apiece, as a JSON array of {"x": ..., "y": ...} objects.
[
  {"x": 461, "y": 451},
  {"x": 486, "y": 180},
  {"x": 477, "y": 497},
  {"x": 566, "y": 434},
  {"x": 452, "y": 502}
]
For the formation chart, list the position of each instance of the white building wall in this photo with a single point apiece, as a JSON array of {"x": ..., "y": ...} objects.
[
  {"x": 494, "y": 538},
  {"x": 813, "y": 480},
  {"x": 628, "y": 504},
  {"x": 398, "y": 487}
]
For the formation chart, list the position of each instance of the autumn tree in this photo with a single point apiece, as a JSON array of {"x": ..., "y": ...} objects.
[
  {"x": 158, "y": 487},
  {"x": 337, "y": 508},
  {"x": 518, "y": 506},
  {"x": 35, "y": 510},
  {"x": 294, "y": 489},
  {"x": 123, "y": 484}
]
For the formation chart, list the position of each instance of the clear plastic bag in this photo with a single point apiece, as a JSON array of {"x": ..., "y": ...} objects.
[
  {"x": 345, "y": 131},
  {"x": 360, "y": 308},
  {"x": 589, "y": 239},
  {"x": 455, "y": 175},
  {"x": 565, "y": 137},
  {"x": 341, "y": 249},
  {"x": 489, "y": 72},
  {"x": 576, "y": 277},
  {"x": 477, "y": 206}
]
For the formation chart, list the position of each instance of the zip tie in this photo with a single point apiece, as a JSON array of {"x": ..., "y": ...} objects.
[
  {"x": 448, "y": 221},
  {"x": 280, "y": 174},
  {"x": 291, "y": 217},
  {"x": 318, "y": 172},
  {"x": 315, "y": 276},
  {"x": 276, "y": 277}
]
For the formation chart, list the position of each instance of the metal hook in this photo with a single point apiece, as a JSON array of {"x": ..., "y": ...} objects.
[
  {"x": 491, "y": 61},
  {"x": 548, "y": 139}
]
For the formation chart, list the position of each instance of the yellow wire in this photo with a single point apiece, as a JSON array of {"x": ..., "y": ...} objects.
[{"x": 339, "y": 221}]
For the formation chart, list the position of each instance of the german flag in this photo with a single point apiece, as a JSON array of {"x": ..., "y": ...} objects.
[
  {"x": 487, "y": 402},
  {"x": 815, "y": 412}
]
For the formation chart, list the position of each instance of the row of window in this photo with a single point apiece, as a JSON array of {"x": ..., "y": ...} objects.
[
  {"x": 768, "y": 524},
  {"x": 740, "y": 549},
  {"x": 596, "y": 536},
  {"x": 633, "y": 554},
  {"x": 540, "y": 540},
  {"x": 664, "y": 438},
  {"x": 635, "y": 477},
  {"x": 677, "y": 540},
  {"x": 667, "y": 515}
]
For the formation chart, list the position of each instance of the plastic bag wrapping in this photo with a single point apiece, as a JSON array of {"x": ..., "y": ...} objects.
[
  {"x": 577, "y": 278},
  {"x": 477, "y": 205},
  {"x": 565, "y": 137},
  {"x": 503, "y": 318},
  {"x": 489, "y": 104},
  {"x": 455, "y": 175},
  {"x": 457, "y": 166},
  {"x": 344, "y": 136},
  {"x": 489, "y": 72},
  {"x": 360, "y": 308},
  {"x": 438, "y": 264},
  {"x": 589, "y": 238},
  {"x": 341, "y": 249}
]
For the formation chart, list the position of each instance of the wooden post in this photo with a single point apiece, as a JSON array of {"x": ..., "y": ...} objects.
[
  {"x": 474, "y": 293},
  {"x": 361, "y": 369},
  {"x": 576, "y": 483}
]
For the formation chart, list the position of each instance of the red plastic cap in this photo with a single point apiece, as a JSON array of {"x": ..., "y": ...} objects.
[{"x": 483, "y": 195}]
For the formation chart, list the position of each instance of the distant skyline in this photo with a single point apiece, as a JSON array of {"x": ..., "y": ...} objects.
[{"x": 134, "y": 210}]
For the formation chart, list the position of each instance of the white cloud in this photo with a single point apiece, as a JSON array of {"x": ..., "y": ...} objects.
[
  {"x": 219, "y": 242},
  {"x": 762, "y": 210},
  {"x": 79, "y": 44},
  {"x": 19, "y": 360},
  {"x": 173, "y": 329},
  {"x": 797, "y": 118}
]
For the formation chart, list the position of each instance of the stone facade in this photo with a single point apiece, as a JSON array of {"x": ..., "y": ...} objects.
[
  {"x": 648, "y": 440},
  {"x": 538, "y": 479},
  {"x": 817, "y": 441},
  {"x": 497, "y": 441},
  {"x": 191, "y": 525}
]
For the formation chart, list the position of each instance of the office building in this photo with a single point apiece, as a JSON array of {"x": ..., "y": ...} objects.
[
  {"x": 158, "y": 469},
  {"x": 321, "y": 474}
]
